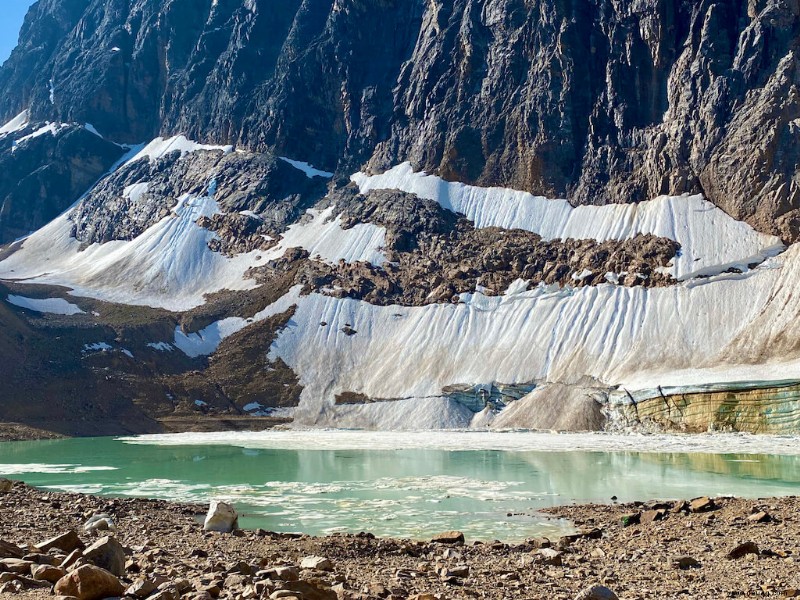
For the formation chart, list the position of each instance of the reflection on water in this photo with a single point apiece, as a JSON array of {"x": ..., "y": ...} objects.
[{"x": 408, "y": 493}]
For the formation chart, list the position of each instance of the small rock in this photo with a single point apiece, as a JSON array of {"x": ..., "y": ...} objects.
[
  {"x": 448, "y": 537},
  {"x": 548, "y": 556},
  {"x": 596, "y": 592},
  {"x": 317, "y": 563},
  {"x": 101, "y": 522},
  {"x": 141, "y": 588},
  {"x": 107, "y": 553},
  {"x": 630, "y": 519},
  {"x": 461, "y": 571},
  {"x": 11, "y": 587},
  {"x": 89, "y": 583},
  {"x": 791, "y": 593},
  {"x": 702, "y": 504},
  {"x": 47, "y": 573},
  {"x": 287, "y": 573},
  {"x": 742, "y": 550},
  {"x": 680, "y": 506},
  {"x": 759, "y": 517},
  {"x": 221, "y": 517},
  {"x": 5, "y": 485},
  {"x": 651, "y": 516},
  {"x": 685, "y": 562}
]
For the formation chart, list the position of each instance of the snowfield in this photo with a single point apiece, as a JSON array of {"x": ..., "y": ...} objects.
[
  {"x": 711, "y": 241},
  {"x": 718, "y": 328},
  {"x": 53, "y": 306}
]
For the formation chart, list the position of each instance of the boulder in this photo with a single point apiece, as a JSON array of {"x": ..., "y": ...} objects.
[
  {"x": 449, "y": 537},
  {"x": 702, "y": 504},
  {"x": 596, "y": 592},
  {"x": 318, "y": 563},
  {"x": 16, "y": 565},
  {"x": 548, "y": 556},
  {"x": 141, "y": 588},
  {"x": 221, "y": 517},
  {"x": 101, "y": 522},
  {"x": 9, "y": 550},
  {"x": 742, "y": 550},
  {"x": 5, "y": 485},
  {"x": 89, "y": 583},
  {"x": 66, "y": 542},
  {"x": 107, "y": 553},
  {"x": 47, "y": 573},
  {"x": 686, "y": 562}
]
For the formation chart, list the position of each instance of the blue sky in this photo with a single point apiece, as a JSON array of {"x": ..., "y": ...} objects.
[{"x": 12, "y": 12}]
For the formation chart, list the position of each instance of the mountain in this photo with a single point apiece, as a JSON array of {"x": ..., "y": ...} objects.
[{"x": 401, "y": 213}]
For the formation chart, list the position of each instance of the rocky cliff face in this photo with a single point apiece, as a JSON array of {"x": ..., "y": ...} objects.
[{"x": 596, "y": 101}]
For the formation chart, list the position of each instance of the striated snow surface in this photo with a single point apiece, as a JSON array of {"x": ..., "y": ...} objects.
[
  {"x": 207, "y": 340},
  {"x": 15, "y": 124},
  {"x": 169, "y": 266},
  {"x": 711, "y": 241},
  {"x": 724, "y": 328}
]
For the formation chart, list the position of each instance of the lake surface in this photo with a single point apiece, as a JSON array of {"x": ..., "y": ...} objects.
[{"x": 409, "y": 484}]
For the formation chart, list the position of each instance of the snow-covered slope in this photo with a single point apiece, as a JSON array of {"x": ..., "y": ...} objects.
[
  {"x": 711, "y": 241},
  {"x": 722, "y": 327}
]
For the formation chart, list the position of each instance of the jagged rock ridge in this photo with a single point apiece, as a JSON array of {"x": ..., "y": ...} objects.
[{"x": 594, "y": 100}]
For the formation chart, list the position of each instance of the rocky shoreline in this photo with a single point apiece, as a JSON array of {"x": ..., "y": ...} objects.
[{"x": 706, "y": 548}]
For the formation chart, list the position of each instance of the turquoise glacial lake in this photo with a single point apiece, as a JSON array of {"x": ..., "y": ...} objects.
[{"x": 412, "y": 485}]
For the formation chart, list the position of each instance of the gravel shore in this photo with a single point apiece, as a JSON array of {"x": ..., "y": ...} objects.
[{"x": 710, "y": 548}]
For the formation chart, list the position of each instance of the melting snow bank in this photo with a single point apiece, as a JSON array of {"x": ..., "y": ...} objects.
[
  {"x": 711, "y": 241},
  {"x": 160, "y": 147},
  {"x": 169, "y": 266},
  {"x": 15, "y": 124},
  {"x": 306, "y": 168},
  {"x": 54, "y": 306},
  {"x": 718, "y": 443},
  {"x": 207, "y": 340}
]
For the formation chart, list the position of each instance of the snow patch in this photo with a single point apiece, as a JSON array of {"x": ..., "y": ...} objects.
[
  {"x": 92, "y": 129},
  {"x": 54, "y": 306},
  {"x": 207, "y": 340},
  {"x": 160, "y": 147},
  {"x": 306, "y": 168},
  {"x": 17, "y": 123},
  {"x": 325, "y": 239},
  {"x": 135, "y": 192},
  {"x": 96, "y": 347},
  {"x": 711, "y": 241},
  {"x": 169, "y": 266},
  {"x": 47, "y": 128},
  {"x": 161, "y": 346}
]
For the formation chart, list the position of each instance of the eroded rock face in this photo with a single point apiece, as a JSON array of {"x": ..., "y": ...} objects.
[
  {"x": 44, "y": 174},
  {"x": 433, "y": 255},
  {"x": 138, "y": 195},
  {"x": 593, "y": 100}
]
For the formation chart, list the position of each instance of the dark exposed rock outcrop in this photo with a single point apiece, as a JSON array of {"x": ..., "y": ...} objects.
[
  {"x": 41, "y": 176},
  {"x": 433, "y": 255},
  {"x": 593, "y": 100},
  {"x": 139, "y": 194}
]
